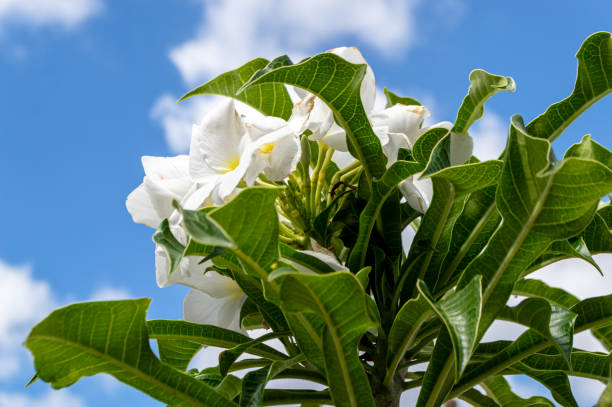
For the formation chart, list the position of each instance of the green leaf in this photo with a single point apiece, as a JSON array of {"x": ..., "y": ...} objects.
[
  {"x": 589, "y": 365},
  {"x": 539, "y": 289},
  {"x": 345, "y": 313},
  {"x": 532, "y": 199},
  {"x": 177, "y": 353},
  {"x": 551, "y": 321},
  {"x": 498, "y": 388},
  {"x": 173, "y": 248},
  {"x": 554, "y": 380},
  {"x": 575, "y": 247},
  {"x": 476, "y": 398},
  {"x": 433, "y": 239},
  {"x": 111, "y": 337},
  {"x": 593, "y": 82},
  {"x": 381, "y": 189},
  {"x": 424, "y": 145},
  {"x": 483, "y": 85},
  {"x": 404, "y": 330},
  {"x": 304, "y": 259},
  {"x": 460, "y": 311},
  {"x": 230, "y": 386},
  {"x": 592, "y": 313},
  {"x": 270, "y": 99},
  {"x": 337, "y": 82},
  {"x": 228, "y": 357},
  {"x": 207, "y": 335},
  {"x": 393, "y": 99},
  {"x": 471, "y": 232},
  {"x": 255, "y": 381}
]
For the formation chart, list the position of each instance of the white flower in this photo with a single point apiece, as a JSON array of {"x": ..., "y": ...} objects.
[
  {"x": 166, "y": 179},
  {"x": 224, "y": 150},
  {"x": 397, "y": 126},
  {"x": 217, "y": 302}
]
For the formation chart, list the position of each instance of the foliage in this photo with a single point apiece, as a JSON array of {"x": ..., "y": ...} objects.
[{"x": 271, "y": 231}]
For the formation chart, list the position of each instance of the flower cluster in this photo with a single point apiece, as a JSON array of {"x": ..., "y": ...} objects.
[{"x": 229, "y": 151}]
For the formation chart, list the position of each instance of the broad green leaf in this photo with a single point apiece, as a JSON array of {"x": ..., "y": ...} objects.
[
  {"x": 254, "y": 289},
  {"x": 532, "y": 199},
  {"x": 207, "y": 335},
  {"x": 606, "y": 397},
  {"x": 472, "y": 231},
  {"x": 539, "y": 289},
  {"x": 483, "y": 85},
  {"x": 338, "y": 83},
  {"x": 228, "y": 357},
  {"x": 450, "y": 185},
  {"x": 308, "y": 328},
  {"x": 498, "y": 388},
  {"x": 460, "y": 311},
  {"x": 551, "y": 321},
  {"x": 589, "y": 365},
  {"x": 393, "y": 99},
  {"x": 255, "y": 381},
  {"x": 230, "y": 386},
  {"x": 177, "y": 353},
  {"x": 111, "y": 337},
  {"x": 275, "y": 397},
  {"x": 554, "y": 380},
  {"x": 381, "y": 189},
  {"x": 173, "y": 248},
  {"x": 402, "y": 335},
  {"x": 476, "y": 398},
  {"x": 575, "y": 247},
  {"x": 304, "y": 259},
  {"x": 425, "y": 144},
  {"x": 345, "y": 313},
  {"x": 593, "y": 82},
  {"x": 592, "y": 313},
  {"x": 247, "y": 226},
  {"x": 270, "y": 99}
]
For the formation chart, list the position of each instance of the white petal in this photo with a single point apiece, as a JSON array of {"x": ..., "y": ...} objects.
[
  {"x": 264, "y": 125},
  {"x": 141, "y": 208},
  {"x": 190, "y": 273},
  {"x": 413, "y": 196},
  {"x": 461, "y": 147},
  {"x": 163, "y": 192},
  {"x": 219, "y": 286},
  {"x": 160, "y": 168},
  {"x": 217, "y": 142},
  {"x": 283, "y": 158},
  {"x": 335, "y": 138},
  {"x": 368, "y": 85},
  {"x": 401, "y": 119},
  {"x": 201, "y": 308}
]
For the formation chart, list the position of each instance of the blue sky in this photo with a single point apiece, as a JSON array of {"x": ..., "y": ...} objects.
[{"x": 88, "y": 86}]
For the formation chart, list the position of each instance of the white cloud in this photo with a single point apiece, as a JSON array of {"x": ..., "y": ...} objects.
[
  {"x": 51, "y": 398},
  {"x": 108, "y": 293},
  {"x": 24, "y": 301},
  {"x": 234, "y": 31},
  {"x": 65, "y": 13},
  {"x": 489, "y": 135}
]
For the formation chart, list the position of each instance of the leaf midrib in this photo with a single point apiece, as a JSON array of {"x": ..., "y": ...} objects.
[{"x": 128, "y": 368}]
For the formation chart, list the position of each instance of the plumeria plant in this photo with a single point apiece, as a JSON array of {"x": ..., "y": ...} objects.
[{"x": 287, "y": 225}]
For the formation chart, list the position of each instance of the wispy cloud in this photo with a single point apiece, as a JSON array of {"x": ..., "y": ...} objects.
[
  {"x": 25, "y": 300},
  {"x": 232, "y": 32},
  {"x": 64, "y": 13},
  {"x": 51, "y": 398}
]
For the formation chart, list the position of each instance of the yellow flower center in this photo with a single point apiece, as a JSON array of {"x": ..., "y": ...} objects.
[
  {"x": 232, "y": 164},
  {"x": 266, "y": 148}
]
